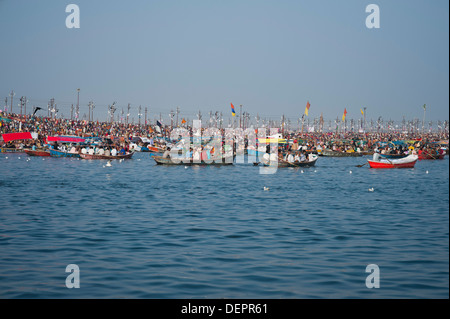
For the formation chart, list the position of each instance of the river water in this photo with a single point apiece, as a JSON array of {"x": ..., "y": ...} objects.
[{"x": 137, "y": 230}]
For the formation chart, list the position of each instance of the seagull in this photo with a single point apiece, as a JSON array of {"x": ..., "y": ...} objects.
[
  {"x": 185, "y": 167},
  {"x": 315, "y": 171},
  {"x": 426, "y": 172},
  {"x": 371, "y": 189},
  {"x": 351, "y": 172},
  {"x": 301, "y": 171},
  {"x": 109, "y": 163},
  {"x": 18, "y": 157},
  {"x": 266, "y": 188},
  {"x": 6, "y": 157}
]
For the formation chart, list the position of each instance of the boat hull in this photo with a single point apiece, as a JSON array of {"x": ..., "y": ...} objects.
[
  {"x": 167, "y": 161},
  {"x": 331, "y": 153},
  {"x": 37, "y": 153},
  {"x": 105, "y": 157},
  {"x": 407, "y": 162},
  {"x": 56, "y": 153}
]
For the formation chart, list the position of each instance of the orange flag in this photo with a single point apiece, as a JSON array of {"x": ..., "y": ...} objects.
[
  {"x": 344, "y": 115},
  {"x": 307, "y": 108}
]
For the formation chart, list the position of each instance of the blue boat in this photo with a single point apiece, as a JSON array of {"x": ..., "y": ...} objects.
[{"x": 57, "y": 153}]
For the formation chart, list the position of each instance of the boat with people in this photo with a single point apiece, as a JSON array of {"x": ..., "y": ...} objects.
[
  {"x": 309, "y": 162},
  {"x": 37, "y": 152},
  {"x": 406, "y": 162},
  {"x": 106, "y": 157},
  {"x": 429, "y": 156},
  {"x": 331, "y": 153}
]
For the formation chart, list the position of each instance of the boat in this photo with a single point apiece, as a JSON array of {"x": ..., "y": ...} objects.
[
  {"x": 428, "y": 156},
  {"x": 106, "y": 157},
  {"x": 406, "y": 162},
  {"x": 58, "y": 153},
  {"x": 331, "y": 153},
  {"x": 393, "y": 156},
  {"x": 11, "y": 150},
  {"x": 37, "y": 152},
  {"x": 168, "y": 161},
  {"x": 312, "y": 159}
]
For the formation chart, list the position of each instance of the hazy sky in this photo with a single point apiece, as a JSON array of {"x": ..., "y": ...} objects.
[{"x": 270, "y": 56}]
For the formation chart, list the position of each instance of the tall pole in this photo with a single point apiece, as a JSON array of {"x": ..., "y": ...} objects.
[
  {"x": 240, "y": 117},
  {"x": 128, "y": 112},
  {"x": 12, "y": 95},
  {"x": 78, "y": 103},
  {"x": 140, "y": 108},
  {"x": 423, "y": 121},
  {"x": 145, "y": 116},
  {"x": 365, "y": 119},
  {"x": 178, "y": 111},
  {"x": 71, "y": 112}
]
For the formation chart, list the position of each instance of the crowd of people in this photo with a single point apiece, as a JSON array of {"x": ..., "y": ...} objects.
[{"x": 120, "y": 137}]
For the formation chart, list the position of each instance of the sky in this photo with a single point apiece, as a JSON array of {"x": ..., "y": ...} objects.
[{"x": 271, "y": 57}]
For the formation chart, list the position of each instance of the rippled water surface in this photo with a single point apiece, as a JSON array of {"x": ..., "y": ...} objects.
[{"x": 137, "y": 230}]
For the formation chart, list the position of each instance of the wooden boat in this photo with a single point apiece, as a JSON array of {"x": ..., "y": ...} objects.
[
  {"x": 106, "y": 157},
  {"x": 168, "y": 161},
  {"x": 37, "y": 152},
  {"x": 11, "y": 150},
  {"x": 406, "y": 162},
  {"x": 312, "y": 159},
  {"x": 427, "y": 156},
  {"x": 332, "y": 153},
  {"x": 57, "y": 153}
]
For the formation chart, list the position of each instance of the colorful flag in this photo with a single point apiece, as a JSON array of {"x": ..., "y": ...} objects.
[
  {"x": 233, "y": 112},
  {"x": 344, "y": 115},
  {"x": 362, "y": 112},
  {"x": 183, "y": 121},
  {"x": 307, "y": 108}
]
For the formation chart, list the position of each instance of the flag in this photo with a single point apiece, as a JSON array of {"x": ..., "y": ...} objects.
[
  {"x": 233, "y": 112},
  {"x": 344, "y": 115},
  {"x": 36, "y": 109},
  {"x": 183, "y": 121},
  {"x": 159, "y": 126},
  {"x": 424, "y": 107},
  {"x": 362, "y": 113},
  {"x": 307, "y": 108}
]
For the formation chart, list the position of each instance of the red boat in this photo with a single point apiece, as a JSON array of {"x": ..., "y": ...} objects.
[
  {"x": 427, "y": 156},
  {"x": 406, "y": 162},
  {"x": 37, "y": 153}
]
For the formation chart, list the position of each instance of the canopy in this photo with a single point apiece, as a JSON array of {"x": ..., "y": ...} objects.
[
  {"x": 65, "y": 139},
  {"x": 16, "y": 136}
]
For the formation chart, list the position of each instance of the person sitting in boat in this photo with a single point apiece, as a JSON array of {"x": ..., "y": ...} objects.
[
  {"x": 167, "y": 153},
  {"x": 289, "y": 157},
  {"x": 73, "y": 150},
  {"x": 91, "y": 151},
  {"x": 101, "y": 151},
  {"x": 376, "y": 157},
  {"x": 114, "y": 151},
  {"x": 297, "y": 157},
  {"x": 302, "y": 157},
  {"x": 122, "y": 151},
  {"x": 107, "y": 152}
]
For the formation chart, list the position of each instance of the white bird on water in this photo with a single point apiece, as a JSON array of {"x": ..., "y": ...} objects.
[
  {"x": 351, "y": 172},
  {"x": 18, "y": 157},
  {"x": 426, "y": 172},
  {"x": 301, "y": 171},
  {"x": 266, "y": 188},
  {"x": 6, "y": 157},
  {"x": 109, "y": 163},
  {"x": 371, "y": 189}
]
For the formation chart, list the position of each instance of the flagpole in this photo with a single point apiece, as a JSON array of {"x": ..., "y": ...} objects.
[{"x": 423, "y": 121}]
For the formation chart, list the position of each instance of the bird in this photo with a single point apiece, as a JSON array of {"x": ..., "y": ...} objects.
[
  {"x": 315, "y": 171},
  {"x": 351, "y": 172},
  {"x": 185, "y": 167},
  {"x": 301, "y": 171},
  {"x": 426, "y": 172},
  {"x": 266, "y": 188},
  {"x": 6, "y": 157},
  {"x": 18, "y": 157},
  {"x": 109, "y": 163},
  {"x": 371, "y": 189}
]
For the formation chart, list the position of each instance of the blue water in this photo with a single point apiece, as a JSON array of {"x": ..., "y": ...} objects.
[{"x": 137, "y": 230}]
